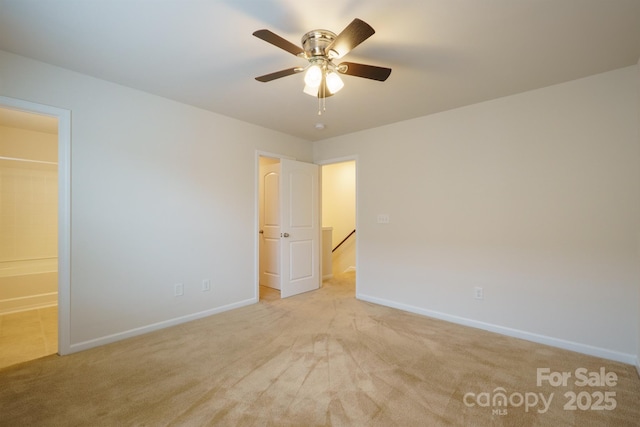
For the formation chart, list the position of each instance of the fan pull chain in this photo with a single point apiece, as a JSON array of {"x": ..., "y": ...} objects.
[
  {"x": 322, "y": 100},
  {"x": 322, "y": 106}
]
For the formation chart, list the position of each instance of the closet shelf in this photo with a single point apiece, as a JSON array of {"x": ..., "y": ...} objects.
[{"x": 18, "y": 159}]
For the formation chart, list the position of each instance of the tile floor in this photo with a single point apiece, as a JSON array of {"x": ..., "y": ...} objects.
[{"x": 28, "y": 335}]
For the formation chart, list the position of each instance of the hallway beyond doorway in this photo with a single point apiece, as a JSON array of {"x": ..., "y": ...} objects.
[{"x": 28, "y": 335}]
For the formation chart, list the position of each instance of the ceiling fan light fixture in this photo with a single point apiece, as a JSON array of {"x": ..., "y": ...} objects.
[
  {"x": 311, "y": 90},
  {"x": 313, "y": 77},
  {"x": 320, "y": 48},
  {"x": 334, "y": 82}
]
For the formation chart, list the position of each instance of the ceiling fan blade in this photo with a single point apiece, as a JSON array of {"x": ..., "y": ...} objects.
[
  {"x": 278, "y": 74},
  {"x": 367, "y": 71},
  {"x": 355, "y": 33},
  {"x": 278, "y": 41}
]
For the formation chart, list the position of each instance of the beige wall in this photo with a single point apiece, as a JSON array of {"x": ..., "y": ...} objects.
[
  {"x": 28, "y": 195},
  {"x": 161, "y": 193},
  {"x": 534, "y": 197},
  {"x": 28, "y": 144}
]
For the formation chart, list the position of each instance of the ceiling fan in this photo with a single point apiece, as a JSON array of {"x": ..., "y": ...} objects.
[{"x": 320, "y": 48}]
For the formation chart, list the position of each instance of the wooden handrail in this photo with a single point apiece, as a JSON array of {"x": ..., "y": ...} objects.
[{"x": 344, "y": 240}]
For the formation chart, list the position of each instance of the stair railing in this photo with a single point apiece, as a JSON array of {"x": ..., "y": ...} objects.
[{"x": 344, "y": 240}]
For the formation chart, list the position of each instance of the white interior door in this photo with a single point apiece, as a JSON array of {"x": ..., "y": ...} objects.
[
  {"x": 269, "y": 249},
  {"x": 300, "y": 227}
]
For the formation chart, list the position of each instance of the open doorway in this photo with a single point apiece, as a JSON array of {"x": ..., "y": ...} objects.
[
  {"x": 28, "y": 236},
  {"x": 269, "y": 228},
  {"x": 63, "y": 118},
  {"x": 339, "y": 220}
]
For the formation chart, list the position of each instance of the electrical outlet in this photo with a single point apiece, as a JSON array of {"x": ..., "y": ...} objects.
[
  {"x": 206, "y": 285},
  {"x": 478, "y": 292},
  {"x": 178, "y": 289}
]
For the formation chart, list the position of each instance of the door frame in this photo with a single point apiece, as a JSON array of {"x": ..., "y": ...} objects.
[
  {"x": 353, "y": 158},
  {"x": 64, "y": 210}
]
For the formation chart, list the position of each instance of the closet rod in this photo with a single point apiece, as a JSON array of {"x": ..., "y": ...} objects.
[{"x": 17, "y": 159}]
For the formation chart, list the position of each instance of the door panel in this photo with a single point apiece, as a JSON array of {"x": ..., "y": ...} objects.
[
  {"x": 300, "y": 227},
  {"x": 269, "y": 249},
  {"x": 271, "y": 201},
  {"x": 271, "y": 267},
  {"x": 301, "y": 260},
  {"x": 302, "y": 188}
]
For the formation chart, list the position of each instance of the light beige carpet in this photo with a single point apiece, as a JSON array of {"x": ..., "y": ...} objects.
[{"x": 321, "y": 358}]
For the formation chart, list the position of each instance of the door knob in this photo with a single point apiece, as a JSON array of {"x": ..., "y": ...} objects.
[
  {"x": 261, "y": 231},
  {"x": 285, "y": 235}
]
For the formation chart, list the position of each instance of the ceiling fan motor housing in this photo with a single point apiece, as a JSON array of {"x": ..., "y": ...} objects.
[{"x": 316, "y": 42}]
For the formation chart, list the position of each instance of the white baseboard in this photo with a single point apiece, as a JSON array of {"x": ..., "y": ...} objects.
[
  {"x": 85, "y": 345},
  {"x": 30, "y": 302},
  {"x": 638, "y": 365},
  {"x": 604, "y": 353}
]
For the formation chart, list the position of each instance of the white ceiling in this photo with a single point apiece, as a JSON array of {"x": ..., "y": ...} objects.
[{"x": 444, "y": 53}]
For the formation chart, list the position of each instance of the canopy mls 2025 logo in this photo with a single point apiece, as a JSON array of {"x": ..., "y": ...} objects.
[{"x": 600, "y": 399}]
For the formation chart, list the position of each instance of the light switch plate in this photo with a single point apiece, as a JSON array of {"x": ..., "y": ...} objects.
[{"x": 383, "y": 218}]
